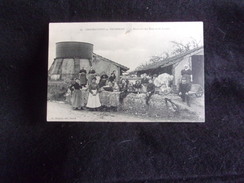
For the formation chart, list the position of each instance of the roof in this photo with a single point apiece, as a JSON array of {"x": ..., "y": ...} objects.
[
  {"x": 115, "y": 63},
  {"x": 168, "y": 61}
]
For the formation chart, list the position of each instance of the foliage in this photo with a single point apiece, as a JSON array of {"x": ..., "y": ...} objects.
[
  {"x": 181, "y": 48},
  {"x": 178, "y": 48},
  {"x": 56, "y": 91}
]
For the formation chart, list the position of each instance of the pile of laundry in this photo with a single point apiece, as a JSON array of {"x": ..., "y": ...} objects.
[{"x": 162, "y": 82}]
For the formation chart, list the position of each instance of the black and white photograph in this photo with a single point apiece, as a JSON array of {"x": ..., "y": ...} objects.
[
  {"x": 126, "y": 72},
  {"x": 132, "y": 91}
]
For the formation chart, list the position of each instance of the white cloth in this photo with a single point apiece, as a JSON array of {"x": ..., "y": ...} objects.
[
  {"x": 162, "y": 81},
  {"x": 93, "y": 101}
]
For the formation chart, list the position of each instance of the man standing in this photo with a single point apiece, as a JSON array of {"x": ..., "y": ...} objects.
[{"x": 185, "y": 85}]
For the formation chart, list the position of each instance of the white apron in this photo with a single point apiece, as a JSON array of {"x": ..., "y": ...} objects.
[{"x": 93, "y": 101}]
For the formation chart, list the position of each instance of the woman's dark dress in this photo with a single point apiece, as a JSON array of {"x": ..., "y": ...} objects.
[
  {"x": 76, "y": 95},
  {"x": 123, "y": 91},
  {"x": 150, "y": 91}
]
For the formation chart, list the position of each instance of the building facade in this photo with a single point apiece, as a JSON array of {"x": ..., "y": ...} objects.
[
  {"x": 71, "y": 57},
  {"x": 193, "y": 58}
]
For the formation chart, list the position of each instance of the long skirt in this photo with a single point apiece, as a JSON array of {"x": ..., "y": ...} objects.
[
  {"x": 76, "y": 99},
  {"x": 93, "y": 101},
  {"x": 84, "y": 97}
]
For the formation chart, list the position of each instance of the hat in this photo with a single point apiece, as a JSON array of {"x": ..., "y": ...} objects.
[{"x": 94, "y": 78}]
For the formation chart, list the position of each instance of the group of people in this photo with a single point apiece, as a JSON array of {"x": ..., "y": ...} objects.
[
  {"x": 96, "y": 83},
  {"x": 165, "y": 82},
  {"x": 93, "y": 83},
  {"x": 143, "y": 85},
  {"x": 86, "y": 78}
]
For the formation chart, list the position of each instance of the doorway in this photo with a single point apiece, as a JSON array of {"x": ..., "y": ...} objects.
[{"x": 198, "y": 69}]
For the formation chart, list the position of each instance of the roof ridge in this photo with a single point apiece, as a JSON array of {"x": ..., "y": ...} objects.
[
  {"x": 111, "y": 61},
  {"x": 172, "y": 58}
]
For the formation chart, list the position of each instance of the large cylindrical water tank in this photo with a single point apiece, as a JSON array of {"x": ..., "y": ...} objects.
[{"x": 74, "y": 50}]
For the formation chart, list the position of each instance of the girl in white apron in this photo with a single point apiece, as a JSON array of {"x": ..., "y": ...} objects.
[{"x": 93, "y": 98}]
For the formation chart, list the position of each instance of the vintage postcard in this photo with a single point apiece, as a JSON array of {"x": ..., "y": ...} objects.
[{"x": 126, "y": 72}]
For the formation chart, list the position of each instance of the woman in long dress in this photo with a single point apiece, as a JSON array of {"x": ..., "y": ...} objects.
[
  {"x": 76, "y": 94},
  {"x": 123, "y": 88},
  {"x": 93, "y": 101}
]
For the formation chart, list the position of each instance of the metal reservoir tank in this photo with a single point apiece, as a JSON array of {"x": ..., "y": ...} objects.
[
  {"x": 71, "y": 56},
  {"x": 74, "y": 50}
]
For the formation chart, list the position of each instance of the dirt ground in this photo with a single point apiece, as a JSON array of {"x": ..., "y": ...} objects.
[
  {"x": 60, "y": 111},
  {"x": 197, "y": 106}
]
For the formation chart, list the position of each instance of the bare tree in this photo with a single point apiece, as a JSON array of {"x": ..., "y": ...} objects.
[
  {"x": 155, "y": 59},
  {"x": 178, "y": 48},
  {"x": 181, "y": 48}
]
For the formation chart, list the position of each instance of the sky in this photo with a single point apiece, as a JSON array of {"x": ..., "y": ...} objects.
[{"x": 127, "y": 43}]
